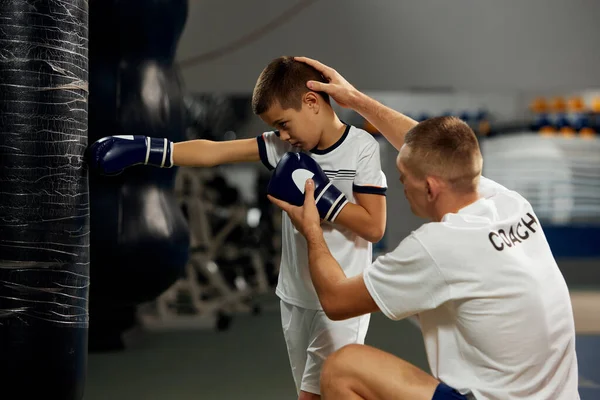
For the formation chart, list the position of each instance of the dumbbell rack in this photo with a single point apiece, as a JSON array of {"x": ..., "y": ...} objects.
[{"x": 222, "y": 302}]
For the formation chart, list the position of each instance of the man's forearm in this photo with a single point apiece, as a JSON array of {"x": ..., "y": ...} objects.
[
  {"x": 392, "y": 124},
  {"x": 325, "y": 271}
]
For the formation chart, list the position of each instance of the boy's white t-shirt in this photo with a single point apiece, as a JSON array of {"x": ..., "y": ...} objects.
[
  {"x": 493, "y": 306},
  {"x": 353, "y": 165}
]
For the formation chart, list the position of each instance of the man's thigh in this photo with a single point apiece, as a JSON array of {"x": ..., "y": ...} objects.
[{"x": 371, "y": 373}]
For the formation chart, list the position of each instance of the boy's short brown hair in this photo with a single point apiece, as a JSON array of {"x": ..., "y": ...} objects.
[
  {"x": 448, "y": 148},
  {"x": 284, "y": 81}
]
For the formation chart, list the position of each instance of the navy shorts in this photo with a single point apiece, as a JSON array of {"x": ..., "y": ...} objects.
[{"x": 445, "y": 392}]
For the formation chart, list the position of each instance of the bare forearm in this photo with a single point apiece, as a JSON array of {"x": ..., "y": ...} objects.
[
  {"x": 392, "y": 124},
  {"x": 325, "y": 271},
  {"x": 206, "y": 153},
  {"x": 358, "y": 220}
]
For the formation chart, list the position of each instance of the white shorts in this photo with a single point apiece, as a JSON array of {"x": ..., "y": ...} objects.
[{"x": 311, "y": 337}]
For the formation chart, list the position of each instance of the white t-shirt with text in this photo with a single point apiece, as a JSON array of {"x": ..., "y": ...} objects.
[{"x": 493, "y": 306}]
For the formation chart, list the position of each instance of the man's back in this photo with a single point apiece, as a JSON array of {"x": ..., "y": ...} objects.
[
  {"x": 507, "y": 328},
  {"x": 493, "y": 306}
]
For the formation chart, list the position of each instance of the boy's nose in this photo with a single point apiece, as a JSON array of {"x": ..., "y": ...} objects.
[{"x": 284, "y": 136}]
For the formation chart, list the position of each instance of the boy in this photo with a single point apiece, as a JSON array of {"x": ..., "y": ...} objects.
[{"x": 305, "y": 122}]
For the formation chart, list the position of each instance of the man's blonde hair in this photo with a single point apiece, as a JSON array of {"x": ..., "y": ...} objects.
[{"x": 445, "y": 147}]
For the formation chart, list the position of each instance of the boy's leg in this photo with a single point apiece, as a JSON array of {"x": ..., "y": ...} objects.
[
  {"x": 296, "y": 322},
  {"x": 364, "y": 372},
  {"x": 327, "y": 336}
]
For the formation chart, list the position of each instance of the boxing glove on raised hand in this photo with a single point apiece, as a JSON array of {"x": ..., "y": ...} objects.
[
  {"x": 112, "y": 154},
  {"x": 290, "y": 176}
]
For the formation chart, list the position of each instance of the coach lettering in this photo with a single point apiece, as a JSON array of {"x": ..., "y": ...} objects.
[
  {"x": 504, "y": 238},
  {"x": 491, "y": 236},
  {"x": 516, "y": 233},
  {"x": 532, "y": 221},
  {"x": 525, "y": 236},
  {"x": 512, "y": 236}
]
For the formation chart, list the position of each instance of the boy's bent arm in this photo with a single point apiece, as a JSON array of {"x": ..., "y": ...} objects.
[
  {"x": 367, "y": 218},
  {"x": 207, "y": 153}
]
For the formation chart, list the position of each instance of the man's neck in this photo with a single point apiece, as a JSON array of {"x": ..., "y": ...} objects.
[
  {"x": 453, "y": 204},
  {"x": 332, "y": 133}
]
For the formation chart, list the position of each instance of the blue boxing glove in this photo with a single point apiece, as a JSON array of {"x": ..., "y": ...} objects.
[
  {"x": 289, "y": 179},
  {"x": 112, "y": 154}
]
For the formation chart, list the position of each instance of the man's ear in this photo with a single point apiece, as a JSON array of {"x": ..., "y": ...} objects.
[{"x": 434, "y": 187}]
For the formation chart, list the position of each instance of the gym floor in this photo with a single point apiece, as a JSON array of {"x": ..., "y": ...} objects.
[{"x": 249, "y": 361}]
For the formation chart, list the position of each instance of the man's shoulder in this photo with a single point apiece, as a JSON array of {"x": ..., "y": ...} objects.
[
  {"x": 416, "y": 240},
  {"x": 428, "y": 229},
  {"x": 436, "y": 236},
  {"x": 489, "y": 188},
  {"x": 413, "y": 249},
  {"x": 506, "y": 199}
]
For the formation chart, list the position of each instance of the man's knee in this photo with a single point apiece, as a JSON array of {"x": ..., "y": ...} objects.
[
  {"x": 349, "y": 352},
  {"x": 308, "y": 396},
  {"x": 340, "y": 370},
  {"x": 340, "y": 362}
]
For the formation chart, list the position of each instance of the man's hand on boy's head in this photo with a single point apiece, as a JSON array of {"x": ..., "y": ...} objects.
[{"x": 338, "y": 88}]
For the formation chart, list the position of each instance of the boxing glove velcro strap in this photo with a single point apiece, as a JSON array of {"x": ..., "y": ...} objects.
[{"x": 159, "y": 152}]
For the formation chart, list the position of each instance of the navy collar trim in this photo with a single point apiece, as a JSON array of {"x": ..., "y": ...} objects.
[{"x": 335, "y": 145}]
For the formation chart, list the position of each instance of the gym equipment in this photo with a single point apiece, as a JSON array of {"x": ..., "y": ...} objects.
[
  {"x": 44, "y": 207},
  {"x": 139, "y": 236},
  {"x": 213, "y": 116},
  {"x": 226, "y": 268}
]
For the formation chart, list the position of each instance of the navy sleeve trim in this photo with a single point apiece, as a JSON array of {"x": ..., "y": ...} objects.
[
  {"x": 369, "y": 189},
  {"x": 262, "y": 152}
]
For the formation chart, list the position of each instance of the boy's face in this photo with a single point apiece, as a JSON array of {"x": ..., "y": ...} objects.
[{"x": 301, "y": 128}]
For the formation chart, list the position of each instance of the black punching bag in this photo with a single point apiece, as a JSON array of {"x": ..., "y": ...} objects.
[
  {"x": 140, "y": 239},
  {"x": 44, "y": 211}
]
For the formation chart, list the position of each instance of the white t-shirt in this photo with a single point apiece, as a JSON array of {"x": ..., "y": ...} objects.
[
  {"x": 353, "y": 165},
  {"x": 493, "y": 306}
]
